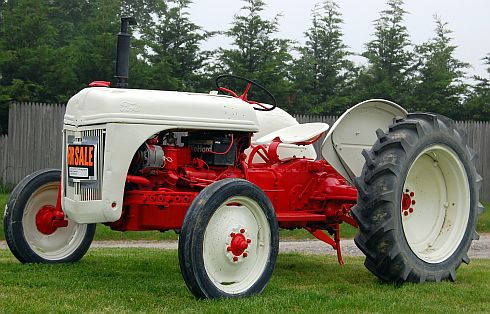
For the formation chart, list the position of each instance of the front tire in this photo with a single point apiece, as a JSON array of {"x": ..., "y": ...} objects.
[
  {"x": 229, "y": 241},
  {"x": 418, "y": 201},
  {"x": 27, "y": 239}
]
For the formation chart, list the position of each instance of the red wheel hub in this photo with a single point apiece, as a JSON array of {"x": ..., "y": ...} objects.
[
  {"x": 407, "y": 202},
  {"x": 49, "y": 219},
  {"x": 238, "y": 245}
]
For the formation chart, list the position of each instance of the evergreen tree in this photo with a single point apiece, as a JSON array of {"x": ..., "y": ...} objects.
[
  {"x": 91, "y": 54},
  {"x": 440, "y": 86},
  {"x": 49, "y": 50},
  {"x": 175, "y": 57},
  {"x": 390, "y": 70},
  {"x": 258, "y": 55},
  {"x": 69, "y": 17},
  {"x": 477, "y": 106},
  {"x": 323, "y": 71},
  {"x": 28, "y": 50},
  {"x": 141, "y": 10},
  {"x": 4, "y": 97},
  {"x": 53, "y": 49}
]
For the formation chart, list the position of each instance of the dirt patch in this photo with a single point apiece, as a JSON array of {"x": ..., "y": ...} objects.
[{"x": 479, "y": 249}]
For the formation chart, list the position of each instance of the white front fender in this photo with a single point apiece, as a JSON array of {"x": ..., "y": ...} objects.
[
  {"x": 354, "y": 131},
  {"x": 122, "y": 141}
]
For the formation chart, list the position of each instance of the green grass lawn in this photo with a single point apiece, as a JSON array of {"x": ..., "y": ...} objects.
[
  {"x": 484, "y": 220},
  {"x": 147, "y": 280},
  {"x": 105, "y": 233}
]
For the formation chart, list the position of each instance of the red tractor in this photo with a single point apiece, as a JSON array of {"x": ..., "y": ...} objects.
[{"x": 226, "y": 172}]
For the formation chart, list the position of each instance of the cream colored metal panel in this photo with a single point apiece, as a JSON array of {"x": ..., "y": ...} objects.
[
  {"x": 271, "y": 121},
  {"x": 354, "y": 131},
  {"x": 98, "y": 105},
  {"x": 122, "y": 141},
  {"x": 296, "y": 133}
]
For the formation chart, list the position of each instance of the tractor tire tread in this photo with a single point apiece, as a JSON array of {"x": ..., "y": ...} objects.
[
  {"x": 194, "y": 227},
  {"x": 13, "y": 221},
  {"x": 376, "y": 215}
]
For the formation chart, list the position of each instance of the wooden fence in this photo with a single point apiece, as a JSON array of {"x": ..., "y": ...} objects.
[
  {"x": 3, "y": 157},
  {"x": 479, "y": 139},
  {"x": 34, "y": 141}
]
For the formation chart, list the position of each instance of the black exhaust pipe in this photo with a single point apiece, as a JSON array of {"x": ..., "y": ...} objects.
[{"x": 122, "y": 61}]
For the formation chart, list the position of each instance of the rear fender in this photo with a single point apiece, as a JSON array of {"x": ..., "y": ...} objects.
[{"x": 354, "y": 131}]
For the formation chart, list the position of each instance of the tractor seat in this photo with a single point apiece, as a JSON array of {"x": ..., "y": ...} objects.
[{"x": 299, "y": 134}]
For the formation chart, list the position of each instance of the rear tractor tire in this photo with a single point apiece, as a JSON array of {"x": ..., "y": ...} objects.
[
  {"x": 418, "y": 201},
  {"x": 27, "y": 223},
  {"x": 229, "y": 241}
]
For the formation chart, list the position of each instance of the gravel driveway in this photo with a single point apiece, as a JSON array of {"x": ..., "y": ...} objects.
[{"x": 479, "y": 249}]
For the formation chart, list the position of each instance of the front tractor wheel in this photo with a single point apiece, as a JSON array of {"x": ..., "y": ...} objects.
[
  {"x": 229, "y": 241},
  {"x": 35, "y": 231},
  {"x": 418, "y": 201}
]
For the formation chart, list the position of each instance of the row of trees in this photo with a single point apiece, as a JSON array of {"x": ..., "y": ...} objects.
[{"x": 51, "y": 49}]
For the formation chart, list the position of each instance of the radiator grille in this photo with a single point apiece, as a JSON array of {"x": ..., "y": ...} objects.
[{"x": 87, "y": 190}]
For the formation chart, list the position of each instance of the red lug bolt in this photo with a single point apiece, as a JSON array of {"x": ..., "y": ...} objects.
[
  {"x": 405, "y": 213},
  {"x": 235, "y": 258},
  {"x": 232, "y": 234},
  {"x": 249, "y": 240},
  {"x": 412, "y": 194},
  {"x": 245, "y": 254},
  {"x": 413, "y": 202},
  {"x": 411, "y": 210},
  {"x": 242, "y": 230},
  {"x": 228, "y": 248}
]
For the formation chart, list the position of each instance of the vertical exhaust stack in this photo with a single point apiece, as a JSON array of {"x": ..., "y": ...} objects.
[{"x": 123, "y": 42}]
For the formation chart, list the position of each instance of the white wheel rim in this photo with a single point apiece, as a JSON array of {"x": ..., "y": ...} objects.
[
  {"x": 436, "y": 223},
  {"x": 58, "y": 245},
  {"x": 231, "y": 276}
]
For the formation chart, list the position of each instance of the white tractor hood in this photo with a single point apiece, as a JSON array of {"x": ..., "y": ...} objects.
[{"x": 100, "y": 105}]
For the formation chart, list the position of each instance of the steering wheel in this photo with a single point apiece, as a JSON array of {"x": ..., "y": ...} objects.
[{"x": 244, "y": 95}]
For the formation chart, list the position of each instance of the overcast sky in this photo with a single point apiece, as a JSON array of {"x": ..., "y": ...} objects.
[{"x": 469, "y": 20}]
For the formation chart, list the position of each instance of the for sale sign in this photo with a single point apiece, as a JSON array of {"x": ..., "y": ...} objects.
[{"x": 81, "y": 158}]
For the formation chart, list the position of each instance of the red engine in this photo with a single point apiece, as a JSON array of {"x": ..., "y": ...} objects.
[{"x": 170, "y": 169}]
